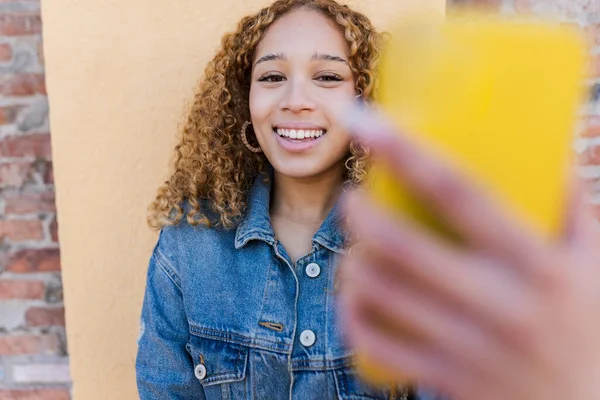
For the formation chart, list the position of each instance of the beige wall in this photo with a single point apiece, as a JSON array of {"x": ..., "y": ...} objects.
[{"x": 118, "y": 73}]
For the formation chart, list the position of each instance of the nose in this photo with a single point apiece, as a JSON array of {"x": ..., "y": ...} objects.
[{"x": 297, "y": 97}]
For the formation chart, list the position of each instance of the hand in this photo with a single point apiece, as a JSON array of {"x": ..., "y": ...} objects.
[{"x": 509, "y": 315}]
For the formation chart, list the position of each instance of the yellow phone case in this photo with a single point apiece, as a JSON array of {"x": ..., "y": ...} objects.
[{"x": 500, "y": 99}]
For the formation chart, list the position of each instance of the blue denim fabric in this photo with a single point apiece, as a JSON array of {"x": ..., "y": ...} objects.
[{"x": 233, "y": 301}]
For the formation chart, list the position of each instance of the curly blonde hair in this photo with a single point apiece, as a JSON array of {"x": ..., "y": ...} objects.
[{"x": 213, "y": 170}]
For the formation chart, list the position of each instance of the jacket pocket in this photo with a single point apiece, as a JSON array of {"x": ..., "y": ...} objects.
[
  {"x": 350, "y": 386},
  {"x": 220, "y": 367}
]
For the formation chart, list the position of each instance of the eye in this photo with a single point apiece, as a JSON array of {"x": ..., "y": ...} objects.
[
  {"x": 329, "y": 77},
  {"x": 272, "y": 78}
]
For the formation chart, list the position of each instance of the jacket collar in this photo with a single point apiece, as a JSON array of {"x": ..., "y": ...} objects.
[{"x": 256, "y": 223}]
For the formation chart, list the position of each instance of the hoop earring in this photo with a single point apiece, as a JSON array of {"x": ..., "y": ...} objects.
[{"x": 245, "y": 140}]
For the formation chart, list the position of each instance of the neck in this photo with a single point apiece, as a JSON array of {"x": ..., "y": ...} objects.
[{"x": 306, "y": 200}]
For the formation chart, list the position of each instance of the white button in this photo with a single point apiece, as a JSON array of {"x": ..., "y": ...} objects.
[
  {"x": 307, "y": 338},
  {"x": 313, "y": 270},
  {"x": 200, "y": 371}
]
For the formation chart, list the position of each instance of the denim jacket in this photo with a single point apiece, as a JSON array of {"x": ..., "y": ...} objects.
[{"x": 227, "y": 315}]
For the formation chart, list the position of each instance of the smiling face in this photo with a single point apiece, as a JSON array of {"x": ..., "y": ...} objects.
[{"x": 300, "y": 70}]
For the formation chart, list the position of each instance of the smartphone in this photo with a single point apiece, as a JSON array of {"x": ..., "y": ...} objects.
[{"x": 499, "y": 98}]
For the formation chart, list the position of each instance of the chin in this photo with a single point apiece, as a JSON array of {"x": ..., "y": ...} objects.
[
  {"x": 298, "y": 173},
  {"x": 304, "y": 169}
]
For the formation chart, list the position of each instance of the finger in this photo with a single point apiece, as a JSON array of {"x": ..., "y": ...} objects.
[
  {"x": 467, "y": 209},
  {"x": 401, "y": 359},
  {"x": 579, "y": 224},
  {"x": 405, "y": 310},
  {"x": 403, "y": 313},
  {"x": 412, "y": 361},
  {"x": 487, "y": 291}
]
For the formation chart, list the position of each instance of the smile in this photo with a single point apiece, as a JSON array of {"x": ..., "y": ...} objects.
[{"x": 300, "y": 134}]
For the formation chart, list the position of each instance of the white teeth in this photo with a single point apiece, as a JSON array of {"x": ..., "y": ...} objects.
[{"x": 299, "y": 133}]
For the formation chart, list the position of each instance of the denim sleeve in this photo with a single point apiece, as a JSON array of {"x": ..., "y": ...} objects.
[{"x": 164, "y": 368}]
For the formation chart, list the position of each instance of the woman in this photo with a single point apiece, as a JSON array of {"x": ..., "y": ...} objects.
[{"x": 240, "y": 300}]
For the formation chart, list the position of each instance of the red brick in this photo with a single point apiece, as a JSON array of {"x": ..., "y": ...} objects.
[
  {"x": 592, "y": 127},
  {"x": 593, "y": 34},
  {"x": 49, "y": 175},
  {"x": 20, "y": 24},
  {"x": 38, "y": 260},
  {"x": 35, "y": 394},
  {"x": 44, "y": 316},
  {"x": 37, "y": 145},
  {"x": 6, "y": 52},
  {"x": 8, "y": 114},
  {"x": 28, "y": 344},
  {"x": 21, "y": 290},
  {"x": 20, "y": 230},
  {"x": 22, "y": 84},
  {"x": 595, "y": 69},
  {"x": 591, "y": 156},
  {"x": 54, "y": 230},
  {"x": 28, "y": 202},
  {"x": 15, "y": 173}
]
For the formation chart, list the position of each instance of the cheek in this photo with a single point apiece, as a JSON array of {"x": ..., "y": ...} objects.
[
  {"x": 342, "y": 144},
  {"x": 334, "y": 97},
  {"x": 350, "y": 89},
  {"x": 260, "y": 104}
]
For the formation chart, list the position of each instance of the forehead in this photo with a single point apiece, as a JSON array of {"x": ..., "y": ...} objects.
[{"x": 303, "y": 32}]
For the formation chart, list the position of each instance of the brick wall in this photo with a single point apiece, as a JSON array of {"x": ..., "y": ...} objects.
[{"x": 33, "y": 356}]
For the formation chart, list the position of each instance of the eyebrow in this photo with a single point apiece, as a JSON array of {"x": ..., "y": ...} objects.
[
  {"x": 329, "y": 57},
  {"x": 270, "y": 57},
  {"x": 316, "y": 56}
]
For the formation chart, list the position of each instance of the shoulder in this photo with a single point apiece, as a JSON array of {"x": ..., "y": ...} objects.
[{"x": 177, "y": 244}]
